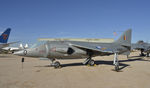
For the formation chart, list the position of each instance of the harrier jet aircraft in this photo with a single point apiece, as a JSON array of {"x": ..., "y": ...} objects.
[
  {"x": 75, "y": 49},
  {"x": 143, "y": 47}
]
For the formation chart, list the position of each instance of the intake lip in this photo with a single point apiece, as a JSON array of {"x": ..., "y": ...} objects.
[
  {"x": 20, "y": 53},
  {"x": 25, "y": 52}
]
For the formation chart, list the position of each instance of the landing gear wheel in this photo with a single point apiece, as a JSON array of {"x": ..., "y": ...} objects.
[
  {"x": 56, "y": 64},
  {"x": 91, "y": 63},
  {"x": 147, "y": 54},
  {"x": 142, "y": 54},
  {"x": 116, "y": 67}
]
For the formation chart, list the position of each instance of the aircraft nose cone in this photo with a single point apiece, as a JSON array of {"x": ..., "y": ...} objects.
[{"x": 20, "y": 53}]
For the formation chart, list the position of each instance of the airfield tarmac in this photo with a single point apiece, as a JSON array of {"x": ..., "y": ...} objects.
[{"x": 35, "y": 73}]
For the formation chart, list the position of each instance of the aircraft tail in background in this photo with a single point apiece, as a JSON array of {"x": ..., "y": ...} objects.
[{"x": 5, "y": 35}]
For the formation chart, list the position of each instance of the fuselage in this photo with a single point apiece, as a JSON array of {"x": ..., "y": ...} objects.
[
  {"x": 145, "y": 47},
  {"x": 64, "y": 50}
]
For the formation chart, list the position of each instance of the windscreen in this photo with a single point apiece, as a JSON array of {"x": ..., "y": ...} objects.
[{"x": 37, "y": 44}]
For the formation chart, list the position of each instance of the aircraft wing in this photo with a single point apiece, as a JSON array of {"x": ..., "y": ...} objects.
[
  {"x": 10, "y": 48},
  {"x": 6, "y": 44},
  {"x": 137, "y": 46},
  {"x": 95, "y": 49}
]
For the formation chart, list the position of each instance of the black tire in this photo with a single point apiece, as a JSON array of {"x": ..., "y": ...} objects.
[
  {"x": 91, "y": 62},
  {"x": 116, "y": 67},
  {"x": 142, "y": 54},
  {"x": 147, "y": 54},
  {"x": 56, "y": 64}
]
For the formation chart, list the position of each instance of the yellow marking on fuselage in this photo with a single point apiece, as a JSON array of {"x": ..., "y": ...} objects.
[{"x": 124, "y": 37}]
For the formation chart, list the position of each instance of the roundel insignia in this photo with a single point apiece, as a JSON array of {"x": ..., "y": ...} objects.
[
  {"x": 98, "y": 47},
  {"x": 25, "y": 52}
]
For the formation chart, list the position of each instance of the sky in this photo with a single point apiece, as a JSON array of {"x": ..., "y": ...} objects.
[{"x": 33, "y": 19}]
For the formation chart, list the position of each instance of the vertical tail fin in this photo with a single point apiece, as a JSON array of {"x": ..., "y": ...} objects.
[
  {"x": 26, "y": 46},
  {"x": 5, "y": 35},
  {"x": 21, "y": 46},
  {"x": 125, "y": 38}
]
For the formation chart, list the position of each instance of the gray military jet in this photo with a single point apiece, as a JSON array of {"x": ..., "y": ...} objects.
[
  {"x": 75, "y": 49},
  {"x": 143, "y": 47}
]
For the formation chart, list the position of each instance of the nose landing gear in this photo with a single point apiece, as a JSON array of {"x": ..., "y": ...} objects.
[{"x": 55, "y": 64}]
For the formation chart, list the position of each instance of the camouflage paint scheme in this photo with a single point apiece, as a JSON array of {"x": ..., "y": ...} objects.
[{"x": 76, "y": 49}]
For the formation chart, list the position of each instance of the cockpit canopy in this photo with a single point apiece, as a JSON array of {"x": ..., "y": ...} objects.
[{"x": 37, "y": 44}]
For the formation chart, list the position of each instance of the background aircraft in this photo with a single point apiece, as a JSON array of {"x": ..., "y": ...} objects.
[
  {"x": 143, "y": 47},
  {"x": 75, "y": 49},
  {"x": 14, "y": 49},
  {"x": 4, "y": 38}
]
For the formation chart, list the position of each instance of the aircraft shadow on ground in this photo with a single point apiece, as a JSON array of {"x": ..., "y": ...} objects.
[
  {"x": 135, "y": 56},
  {"x": 100, "y": 62}
]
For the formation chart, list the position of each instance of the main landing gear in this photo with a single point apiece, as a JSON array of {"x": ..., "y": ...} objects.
[
  {"x": 89, "y": 62},
  {"x": 116, "y": 62},
  {"x": 55, "y": 64}
]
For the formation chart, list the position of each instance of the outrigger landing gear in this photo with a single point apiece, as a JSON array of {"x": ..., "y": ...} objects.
[
  {"x": 89, "y": 61},
  {"x": 142, "y": 54},
  {"x": 116, "y": 63},
  {"x": 55, "y": 64},
  {"x": 147, "y": 55}
]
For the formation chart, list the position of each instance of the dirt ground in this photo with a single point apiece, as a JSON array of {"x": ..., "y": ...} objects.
[{"x": 35, "y": 73}]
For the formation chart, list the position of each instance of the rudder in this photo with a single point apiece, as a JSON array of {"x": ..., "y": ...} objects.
[{"x": 125, "y": 38}]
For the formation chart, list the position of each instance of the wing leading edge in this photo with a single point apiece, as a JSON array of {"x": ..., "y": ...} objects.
[{"x": 96, "y": 49}]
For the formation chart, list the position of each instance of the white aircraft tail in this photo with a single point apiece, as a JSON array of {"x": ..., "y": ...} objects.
[
  {"x": 23, "y": 47},
  {"x": 26, "y": 46}
]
